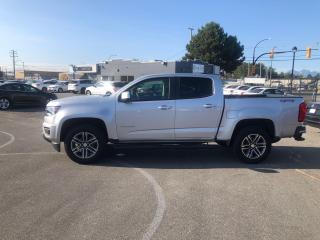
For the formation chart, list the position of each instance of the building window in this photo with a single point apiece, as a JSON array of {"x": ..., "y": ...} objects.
[{"x": 124, "y": 78}]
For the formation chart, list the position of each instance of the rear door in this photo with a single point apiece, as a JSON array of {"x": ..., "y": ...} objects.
[
  {"x": 150, "y": 113},
  {"x": 32, "y": 96},
  {"x": 198, "y": 108}
]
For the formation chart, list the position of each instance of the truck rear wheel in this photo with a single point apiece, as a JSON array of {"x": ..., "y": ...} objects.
[
  {"x": 252, "y": 144},
  {"x": 85, "y": 144}
]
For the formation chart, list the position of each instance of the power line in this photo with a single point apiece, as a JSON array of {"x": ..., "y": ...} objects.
[{"x": 285, "y": 60}]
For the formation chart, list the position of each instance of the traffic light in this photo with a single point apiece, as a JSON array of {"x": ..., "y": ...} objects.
[
  {"x": 308, "y": 53},
  {"x": 271, "y": 54}
]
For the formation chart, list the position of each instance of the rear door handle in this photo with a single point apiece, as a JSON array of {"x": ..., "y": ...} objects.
[
  {"x": 208, "y": 105},
  {"x": 164, "y": 107}
]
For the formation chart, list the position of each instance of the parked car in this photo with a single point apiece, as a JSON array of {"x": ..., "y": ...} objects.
[
  {"x": 1, "y": 81},
  {"x": 177, "y": 109},
  {"x": 313, "y": 113},
  {"x": 13, "y": 81},
  {"x": 105, "y": 87},
  {"x": 43, "y": 84},
  {"x": 80, "y": 85},
  {"x": 230, "y": 89},
  {"x": 271, "y": 92},
  {"x": 18, "y": 94},
  {"x": 60, "y": 86}
]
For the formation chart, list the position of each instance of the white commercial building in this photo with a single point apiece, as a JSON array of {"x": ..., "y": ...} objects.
[{"x": 128, "y": 70}]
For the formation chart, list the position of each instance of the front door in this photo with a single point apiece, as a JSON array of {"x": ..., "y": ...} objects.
[
  {"x": 198, "y": 109},
  {"x": 149, "y": 114}
]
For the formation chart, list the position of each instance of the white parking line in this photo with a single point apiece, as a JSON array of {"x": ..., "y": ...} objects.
[
  {"x": 161, "y": 206},
  {"x": 297, "y": 158},
  {"x": 12, "y": 138},
  {"x": 29, "y": 153}
]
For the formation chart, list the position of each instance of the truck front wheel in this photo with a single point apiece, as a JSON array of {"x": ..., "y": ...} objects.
[
  {"x": 252, "y": 144},
  {"x": 85, "y": 144}
]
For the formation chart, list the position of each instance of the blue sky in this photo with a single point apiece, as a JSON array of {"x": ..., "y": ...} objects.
[{"x": 83, "y": 32}]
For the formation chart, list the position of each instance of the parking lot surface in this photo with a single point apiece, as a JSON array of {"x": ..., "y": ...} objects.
[{"x": 154, "y": 193}]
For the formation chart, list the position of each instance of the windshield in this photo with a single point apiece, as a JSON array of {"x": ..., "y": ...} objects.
[
  {"x": 232, "y": 86},
  {"x": 257, "y": 90},
  {"x": 244, "y": 87},
  {"x": 119, "y": 85}
]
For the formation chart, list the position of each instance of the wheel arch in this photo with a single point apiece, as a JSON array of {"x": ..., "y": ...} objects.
[
  {"x": 78, "y": 121},
  {"x": 266, "y": 124}
]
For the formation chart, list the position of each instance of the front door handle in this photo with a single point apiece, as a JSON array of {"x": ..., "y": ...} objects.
[
  {"x": 164, "y": 107},
  {"x": 208, "y": 105}
]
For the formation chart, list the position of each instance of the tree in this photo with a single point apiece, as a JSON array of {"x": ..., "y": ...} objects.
[
  {"x": 242, "y": 70},
  {"x": 1, "y": 74},
  {"x": 211, "y": 44}
]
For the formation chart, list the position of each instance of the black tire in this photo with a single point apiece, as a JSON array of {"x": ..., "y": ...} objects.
[
  {"x": 83, "y": 154},
  {"x": 88, "y": 92},
  {"x": 44, "y": 89},
  {"x": 60, "y": 90},
  {"x": 252, "y": 144},
  {"x": 82, "y": 91},
  {"x": 5, "y": 104}
]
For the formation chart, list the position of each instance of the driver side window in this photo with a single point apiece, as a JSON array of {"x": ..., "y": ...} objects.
[
  {"x": 27, "y": 88},
  {"x": 154, "y": 89}
]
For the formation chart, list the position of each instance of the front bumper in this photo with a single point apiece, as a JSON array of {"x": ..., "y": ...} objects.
[
  {"x": 298, "y": 133},
  {"x": 49, "y": 133},
  {"x": 56, "y": 146}
]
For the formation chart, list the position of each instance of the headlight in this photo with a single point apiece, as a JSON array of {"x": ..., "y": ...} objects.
[{"x": 52, "y": 110}]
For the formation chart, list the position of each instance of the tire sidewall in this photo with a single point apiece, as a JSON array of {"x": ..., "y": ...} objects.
[
  {"x": 244, "y": 133},
  {"x": 88, "y": 92},
  {"x": 102, "y": 141},
  {"x": 9, "y": 104},
  {"x": 60, "y": 90}
]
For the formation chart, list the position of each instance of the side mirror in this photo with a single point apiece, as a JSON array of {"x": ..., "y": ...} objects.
[{"x": 125, "y": 97}]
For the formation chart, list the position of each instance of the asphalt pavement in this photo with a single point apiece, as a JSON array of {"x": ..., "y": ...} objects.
[{"x": 155, "y": 193}]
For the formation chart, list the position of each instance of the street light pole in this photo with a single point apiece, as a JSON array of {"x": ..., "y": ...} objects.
[
  {"x": 294, "y": 50},
  {"x": 254, "y": 49},
  {"x": 191, "y": 31}
]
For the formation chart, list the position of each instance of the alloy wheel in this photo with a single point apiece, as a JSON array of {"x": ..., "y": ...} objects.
[
  {"x": 253, "y": 146},
  {"x": 84, "y": 145},
  {"x": 4, "y": 104}
]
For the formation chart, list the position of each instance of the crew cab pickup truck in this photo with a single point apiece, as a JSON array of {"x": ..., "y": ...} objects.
[{"x": 173, "y": 108}]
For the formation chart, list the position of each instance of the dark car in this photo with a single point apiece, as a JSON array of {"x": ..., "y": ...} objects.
[
  {"x": 313, "y": 112},
  {"x": 17, "y": 94}
]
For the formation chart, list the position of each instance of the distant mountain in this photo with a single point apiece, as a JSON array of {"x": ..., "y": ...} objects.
[{"x": 305, "y": 73}]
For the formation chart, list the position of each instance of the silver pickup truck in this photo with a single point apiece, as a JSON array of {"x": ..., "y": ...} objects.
[{"x": 173, "y": 108}]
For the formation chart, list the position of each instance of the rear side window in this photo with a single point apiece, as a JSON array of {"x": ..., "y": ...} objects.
[
  {"x": 191, "y": 87},
  {"x": 12, "y": 87}
]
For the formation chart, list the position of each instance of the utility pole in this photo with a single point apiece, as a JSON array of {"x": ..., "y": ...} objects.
[
  {"x": 191, "y": 32},
  {"x": 24, "y": 77},
  {"x": 294, "y": 50},
  {"x": 270, "y": 73},
  {"x": 260, "y": 70},
  {"x": 14, "y": 55}
]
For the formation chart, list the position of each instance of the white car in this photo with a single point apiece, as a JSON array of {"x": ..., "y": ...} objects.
[
  {"x": 60, "y": 86},
  {"x": 80, "y": 85},
  {"x": 271, "y": 92},
  {"x": 43, "y": 84},
  {"x": 105, "y": 87},
  {"x": 235, "y": 89}
]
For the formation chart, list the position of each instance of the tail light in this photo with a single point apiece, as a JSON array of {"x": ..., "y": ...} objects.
[{"x": 302, "y": 111}]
